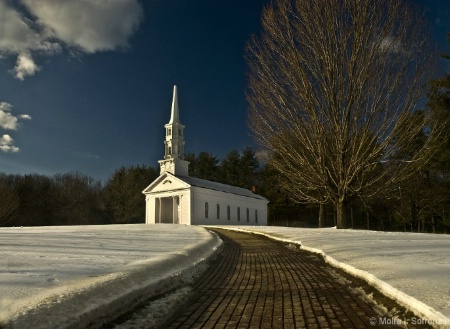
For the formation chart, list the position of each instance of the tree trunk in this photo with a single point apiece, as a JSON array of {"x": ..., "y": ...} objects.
[
  {"x": 340, "y": 213},
  {"x": 321, "y": 215},
  {"x": 351, "y": 215},
  {"x": 414, "y": 217},
  {"x": 444, "y": 221},
  {"x": 368, "y": 220}
]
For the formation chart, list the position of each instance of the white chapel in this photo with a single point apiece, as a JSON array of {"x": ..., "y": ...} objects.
[{"x": 176, "y": 198}]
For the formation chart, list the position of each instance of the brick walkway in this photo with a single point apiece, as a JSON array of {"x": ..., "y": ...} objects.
[{"x": 260, "y": 283}]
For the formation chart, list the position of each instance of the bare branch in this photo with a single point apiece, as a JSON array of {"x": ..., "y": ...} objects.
[{"x": 333, "y": 91}]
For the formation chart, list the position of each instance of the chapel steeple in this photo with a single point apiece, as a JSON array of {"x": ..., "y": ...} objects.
[
  {"x": 174, "y": 143},
  {"x": 174, "y": 113}
]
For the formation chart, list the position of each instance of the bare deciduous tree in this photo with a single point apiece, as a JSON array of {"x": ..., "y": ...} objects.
[{"x": 333, "y": 93}]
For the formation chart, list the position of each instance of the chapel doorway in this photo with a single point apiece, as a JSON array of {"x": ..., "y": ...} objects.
[{"x": 167, "y": 210}]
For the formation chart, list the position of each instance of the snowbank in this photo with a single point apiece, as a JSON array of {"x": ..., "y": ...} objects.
[
  {"x": 413, "y": 269},
  {"x": 71, "y": 276},
  {"x": 53, "y": 277}
]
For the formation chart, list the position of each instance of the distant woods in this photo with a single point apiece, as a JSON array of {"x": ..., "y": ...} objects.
[
  {"x": 420, "y": 205},
  {"x": 74, "y": 198},
  {"x": 77, "y": 199}
]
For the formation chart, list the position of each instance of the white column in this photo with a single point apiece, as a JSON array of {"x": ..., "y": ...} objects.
[
  {"x": 159, "y": 211},
  {"x": 173, "y": 212},
  {"x": 180, "y": 212}
]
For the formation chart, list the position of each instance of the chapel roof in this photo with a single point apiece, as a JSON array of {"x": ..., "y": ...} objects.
[{"x": 194, "y": 181}]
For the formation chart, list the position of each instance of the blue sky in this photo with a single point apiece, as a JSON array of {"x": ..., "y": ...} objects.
[{"x": 87, "y": 85}]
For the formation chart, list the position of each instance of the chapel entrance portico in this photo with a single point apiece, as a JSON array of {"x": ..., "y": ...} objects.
[
  {"x": 168, "y": 209},
  {"x": 168, "y": 201}
]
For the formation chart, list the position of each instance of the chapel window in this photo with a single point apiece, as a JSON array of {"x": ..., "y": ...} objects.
[
  {"x": 228, "y": 212},
  {"x": 218, "y": 211},
  {"x": 239, "y": 214},
  {"x": 206, "y": 209},
  {"x": 248, "y": 215},
  {"x": 256, "y": 215}
]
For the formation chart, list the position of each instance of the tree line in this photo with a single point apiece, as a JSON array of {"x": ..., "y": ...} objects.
[
  {"x": 78, "y": 199},
  {"x": 418, "y": 205},
  {"x": 74, "y": 198}
]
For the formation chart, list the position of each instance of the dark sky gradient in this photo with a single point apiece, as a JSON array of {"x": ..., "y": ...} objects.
[{"x": 96, "y": 112}]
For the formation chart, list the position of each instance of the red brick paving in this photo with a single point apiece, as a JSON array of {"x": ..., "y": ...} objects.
[{"x": 260, "y": 283}]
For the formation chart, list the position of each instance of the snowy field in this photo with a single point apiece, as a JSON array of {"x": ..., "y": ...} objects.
[
  {"x": 53, "y": 277},
  {"x": 413, "y": 269}
]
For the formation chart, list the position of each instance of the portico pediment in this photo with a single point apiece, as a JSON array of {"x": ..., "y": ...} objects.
[{"x": 165, "y": 182}]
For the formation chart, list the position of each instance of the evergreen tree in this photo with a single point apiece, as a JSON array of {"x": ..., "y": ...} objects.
[
  {"x": 191, "y": 158},
  {"x": 230, "y": 169},
  {"x": 248, "y": 167},
  {"x": 206, "y": 166},
  {"x": 123, "y": 197},
  {"x": 439, "y": 104},
  {"x": 420, "y": 203}
]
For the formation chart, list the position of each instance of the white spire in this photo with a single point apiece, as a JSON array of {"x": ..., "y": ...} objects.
[
  {"x": 174, "y": 143},
  {"x": 174, "y": 115}
]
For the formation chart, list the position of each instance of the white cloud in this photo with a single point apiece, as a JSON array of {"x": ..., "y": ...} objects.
[
  {"x": 6, "y": 144},
  {"x": 18, "y": 34},
  {"x": 15, "y": 33},
  {"x": 88, "y": 26},
  {"x": 7, "y": 119},
  {"x": 25, "y": 66},
  {"x": 94, "y": 156},
  {"x": 24, "y": 116},
  {"x": 91, "y": 25}
]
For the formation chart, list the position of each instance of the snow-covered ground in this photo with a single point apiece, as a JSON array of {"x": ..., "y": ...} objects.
[
  {"x": 53, "y": 277},
  {"x": 413, "y": 269}
]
